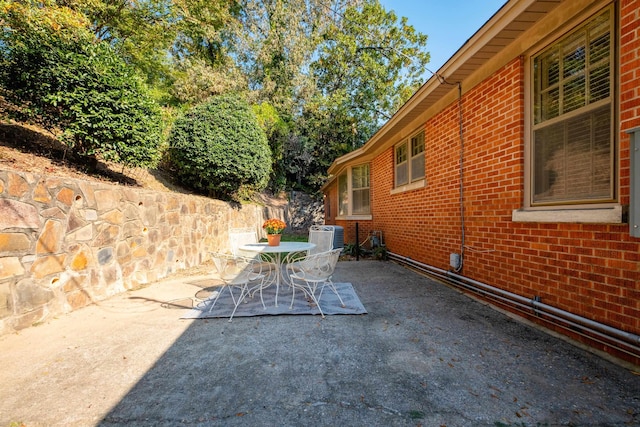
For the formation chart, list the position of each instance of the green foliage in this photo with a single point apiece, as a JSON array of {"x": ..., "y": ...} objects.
[
  {"x": 350, "y": 249},
  {"x": 380, "y": 253},
  {"x": 277, "y": 131},
  {"x": 195, "y": 81},
  {"x": 219, "y": 149},
  {"x": 325, "y": 132},
  {"x": 58, "y": 76},
  {"x": 367, "y": 62},
  {"x": 367, "y": 67},
  {"x": 323, "y": 75},
  {"x": 140, "y": 31},
  {"x": 274, "y": 41}
]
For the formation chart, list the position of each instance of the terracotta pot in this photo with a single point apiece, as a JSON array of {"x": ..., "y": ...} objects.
[{"x": 274, "y": 239}]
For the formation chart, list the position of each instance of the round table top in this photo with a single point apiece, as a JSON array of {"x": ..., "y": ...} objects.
[{"x": 282, "y": 247}]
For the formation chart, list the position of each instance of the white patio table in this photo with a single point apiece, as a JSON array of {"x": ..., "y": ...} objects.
[{"x": 274, "y": 255}]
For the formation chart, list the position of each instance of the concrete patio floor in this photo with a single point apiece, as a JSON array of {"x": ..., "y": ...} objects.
[{"x": 425, "y": 354}]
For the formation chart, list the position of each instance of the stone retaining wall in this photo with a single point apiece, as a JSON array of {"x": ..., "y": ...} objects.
[{"x": 66, "y": 243}]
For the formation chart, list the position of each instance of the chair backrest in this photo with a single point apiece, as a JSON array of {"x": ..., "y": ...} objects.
[
  {"x": 322, "y": 237},
  {"x": 239, "y": 237},
  {"x": 234, "y": 270},
  {"x": 316, "y": 267}
]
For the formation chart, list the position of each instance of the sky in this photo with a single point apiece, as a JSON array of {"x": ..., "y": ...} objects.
[{"x": 447, "y": 23}]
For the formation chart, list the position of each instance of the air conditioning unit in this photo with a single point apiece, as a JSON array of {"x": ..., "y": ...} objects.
[{"x": 338, "y": 236}]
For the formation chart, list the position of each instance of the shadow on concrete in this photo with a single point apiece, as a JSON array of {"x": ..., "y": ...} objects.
[{"x": 424, "y": 355}]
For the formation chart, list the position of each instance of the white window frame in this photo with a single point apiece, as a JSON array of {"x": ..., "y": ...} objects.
[
  {"x": 409, "y": 161},
  {"x": 602, "y": 211},
  {"x": 345, "y": 195},
  {"x": 362, "y": 188}
]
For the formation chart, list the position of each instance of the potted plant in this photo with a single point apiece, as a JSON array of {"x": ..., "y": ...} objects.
[{"x": 274, "y": 228}]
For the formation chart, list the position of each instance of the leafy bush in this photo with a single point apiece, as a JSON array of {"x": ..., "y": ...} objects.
[
  {"x": 218, "y": 148},
  {"x": 57, "y": 75},
  {"x": 277, "y": 131}
]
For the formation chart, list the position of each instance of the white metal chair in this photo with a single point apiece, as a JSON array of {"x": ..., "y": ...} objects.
[
  {"x": 244, "y": 274},
  {"x": 242, "y": 236},
  {"x": 239, "y": 237},
  {"x": 312, "y": 273},
  {"x": 322, "y": 237}
]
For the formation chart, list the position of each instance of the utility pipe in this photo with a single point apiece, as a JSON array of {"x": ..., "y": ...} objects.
[
  {"x": 462, "y": 213},
  {"x": 608, "y": 332}
]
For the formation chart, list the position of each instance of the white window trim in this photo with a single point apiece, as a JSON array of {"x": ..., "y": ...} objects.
[
  {"x": 598, "y": 213},
  {"x": 355, "y": 217},
  {"x": 411, "y": 185},
  {"x": 350, "y": 215}
]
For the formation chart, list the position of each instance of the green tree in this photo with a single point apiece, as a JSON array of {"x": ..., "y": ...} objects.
[
  {"x": 140, "y": 31},
  {"x": 196, "y": 80},
  {"x": 204, "y": 29},
  {"x": 219, "y": 149},
  {"x": 57, "y": 75},
  {"x": 274, "y": 43},
  {"x": 369, "y": 64},
  {"x": 324, "y": 134}
]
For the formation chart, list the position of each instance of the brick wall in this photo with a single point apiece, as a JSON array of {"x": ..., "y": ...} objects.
[{"x": 592, "y": 270}]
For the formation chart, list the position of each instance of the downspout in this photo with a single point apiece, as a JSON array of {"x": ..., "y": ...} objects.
[
  {"x": 460, "y": 261},
  {"x": 462, "y": 224},
  {"x": 623, "y": 341}
]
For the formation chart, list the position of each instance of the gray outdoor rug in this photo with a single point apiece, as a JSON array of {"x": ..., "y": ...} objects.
[{"x": 253, "y": 307}]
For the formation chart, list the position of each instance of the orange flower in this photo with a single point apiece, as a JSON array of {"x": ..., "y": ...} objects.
[{"x": 274, "y": 226}]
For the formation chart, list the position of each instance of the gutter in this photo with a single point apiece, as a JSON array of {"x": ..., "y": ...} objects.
[{"x": 623, "y": 341}]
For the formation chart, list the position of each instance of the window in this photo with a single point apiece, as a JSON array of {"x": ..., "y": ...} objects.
[
  {"x": 409, "y": 160},
  {"x": 417, "y": 157},
  {"x": 353, "y": 191},
  {"x": 572, "y": 158},
  {"x": 343, "y": 194},
  {"x": 360, "y": 189},
  {"x": 402, "y": 166}
]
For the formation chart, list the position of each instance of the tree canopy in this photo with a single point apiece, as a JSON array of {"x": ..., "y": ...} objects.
[
  {"x": 57, "y": 76},
  {"x": 322, "y": 75}
]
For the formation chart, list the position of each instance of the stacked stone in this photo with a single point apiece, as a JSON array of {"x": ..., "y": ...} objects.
[
  {"x": 304, "y": 211},
  {"x": 67, "y": 243}
]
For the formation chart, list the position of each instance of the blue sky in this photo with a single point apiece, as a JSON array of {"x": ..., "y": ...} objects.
[{"x": 447, "y": 23}]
